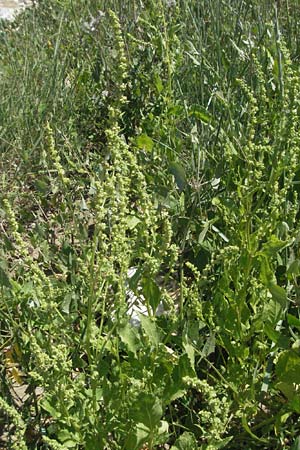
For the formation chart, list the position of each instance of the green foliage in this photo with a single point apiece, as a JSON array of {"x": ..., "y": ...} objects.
[{"x": 149, "y": 255}]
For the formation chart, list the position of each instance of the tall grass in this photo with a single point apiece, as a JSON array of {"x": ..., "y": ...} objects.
[{"x": 150, "y": 155}]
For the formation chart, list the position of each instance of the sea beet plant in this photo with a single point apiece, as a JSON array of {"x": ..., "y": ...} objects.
[{"x": 149, "y": 255}]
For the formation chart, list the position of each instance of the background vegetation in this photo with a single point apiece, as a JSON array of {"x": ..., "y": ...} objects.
[{"x": 150, "y": 150}]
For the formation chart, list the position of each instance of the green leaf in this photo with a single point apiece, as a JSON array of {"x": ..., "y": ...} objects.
[
  {"x": 222, "y": 443},
  {"x": 266, "y": 274},
  {"x": 293, "y": 321},
  {"x": 129, "y": 337},
  {"x": 137, "y": 437},
  {"x": 178, "y": 171},
  {"x": 296, "y": 444},
  {"x": 150, "y": 329},
  {"x": 46, "y": 405},
  {"x": 163, "y": 429},
  {"x": 151, "y": 293},
  {"x": 247, "y": 428},
  {"x": 273, "y": 246},
  {"x": 288, "y": 367},
  {"x": 190, "y": 351},
  {"x": 278, "y": 294},
  {"x": 67, "y": 438},
  {"x": 65, "y": 307},
  {"x": 209, "y": 346},
  {"x": 173, "y": 390},
  {"x": 158, "y": 83},
  {"x": 186, "y": 441},
  {"x": 200, "y": 113},
  {"x": 4, "y": 280},
  {"x": 147, "y": 410},
  {"x": 294, "y": 403},
  {"x": 42, "y": 186},
  {"x": 294, "y": 268},
  {"x": 275, "y": 336},
  {"x": 272, "y": 312},
  {"x": 144, "y": 142},
  {"x": 132, "y": 222},
  {"x": 287, "y": 389}
]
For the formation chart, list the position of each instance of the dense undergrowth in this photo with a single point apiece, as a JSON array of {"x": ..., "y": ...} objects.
[{"x": 150, "y": 153}]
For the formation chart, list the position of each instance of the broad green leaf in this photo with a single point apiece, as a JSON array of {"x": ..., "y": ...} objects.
[
  {"x": 200, "y": 113},
  {"x": 272, "y": 312},
  {"x": 203, "y": 234},
  {"x": 67, "y": 438},
  {"x": 4, "y": 280},
  {"x": 144, "y": 142},
  {"x": 42, "y": 186},
  {"x": 150, "y": 329},
  {"x": 294, "y": 403},
  {"x": 163, "y": 428},
  {"x": 151, "y": 293},
  {"x": 178, "y": 171},
  {"x": 186, "y": 441},
  {"x": 273, "y": 246},
  {"x": 147, "y": 410},
  {"x": 132, "y": 222},
  {"x": 222, "y": 443},
  {"x": 209, "y": 346},
  {"x": 46, "y": 405},
  {"x": 293, "y": 321},
  {"x": 190, "y": 351},
  {"x": 294, "y": 268},
  {"x": 288, "y": 367},
  {"x": 137, "y": 437},
  {"x": 129, "y": 337},
  {"x": 65, "y": 307},
  {"x": 278, "y": 294},
  {"x": 275, "y": 336},
  {"x": 266, "y": 274},
  {"x": 173, "y": 390},
  {"x": 70, "y": 443},
  {"x": 158, "y": 83},
  {"x": 287, "y": 389}
]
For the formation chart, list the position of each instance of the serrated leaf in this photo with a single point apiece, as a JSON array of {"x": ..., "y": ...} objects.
[{"x": 150, "y": 329}]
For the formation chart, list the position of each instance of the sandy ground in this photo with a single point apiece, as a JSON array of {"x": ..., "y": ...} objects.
[{"x": 8, "y": 8}]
